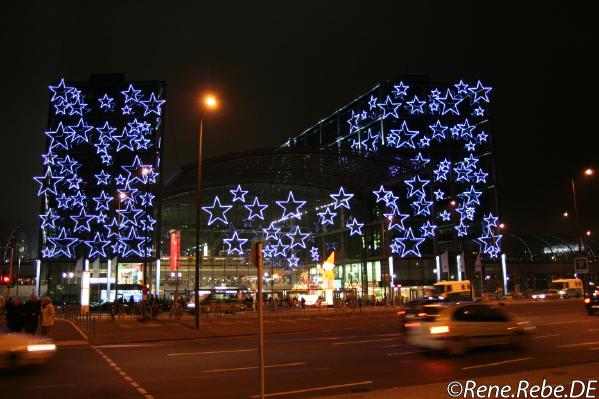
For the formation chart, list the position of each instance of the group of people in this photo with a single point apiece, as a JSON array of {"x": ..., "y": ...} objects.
[{"x": 29, "y": 315}]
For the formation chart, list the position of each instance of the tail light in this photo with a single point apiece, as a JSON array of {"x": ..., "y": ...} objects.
[
  {"x": 412, "y": 324},
  {"x": 587, "y": 300},
  {"x": 401, "y": 312},
  {"x": 439, "y": 330}
]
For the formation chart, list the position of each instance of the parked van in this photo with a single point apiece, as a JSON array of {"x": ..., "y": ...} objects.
[
  {"x": 568, "y": 287},
  {"x": 453, "y": 290}
]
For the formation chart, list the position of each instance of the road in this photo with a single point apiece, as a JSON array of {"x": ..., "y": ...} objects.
[{"x": 364, "y": 353}]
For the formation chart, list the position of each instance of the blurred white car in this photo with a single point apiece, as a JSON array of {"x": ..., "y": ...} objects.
[
  {"x": 457, "y": 328},
  {"x": 18, "y": 350}
]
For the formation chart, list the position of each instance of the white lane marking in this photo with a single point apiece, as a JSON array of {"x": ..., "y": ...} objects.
[
  {"x": 564, "y": 322},
  {"x": 71, "y": 342},
  {"x": 210, "y": 352},
  {"x": 364, "y": 341},
  {"x": 546, "y": 336},
  {"x": 77, "y": 328},
  {"x": 497, "y": 363},
  {"x": 403, "y": 353},
  {"x": 351, "y": 384},
  {"x": 578, "y": 344},
  {"x": 254, "y": 367},
  {"x": 130, "y": 345}
]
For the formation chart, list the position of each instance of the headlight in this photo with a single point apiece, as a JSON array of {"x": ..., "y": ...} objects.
[
  {"x": 41, "y": 347},
  {"x": 542, "y": 296},
  {"x": 534, "y": 296},
  {"x": 191, "y": 305},
  {"x": 562, "y": 292},
  {"x": 439, "y": 330},
  {"x": 587, "y": 300}
]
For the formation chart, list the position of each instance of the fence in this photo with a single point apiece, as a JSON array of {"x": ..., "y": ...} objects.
[{"x": 86, "y": 322}]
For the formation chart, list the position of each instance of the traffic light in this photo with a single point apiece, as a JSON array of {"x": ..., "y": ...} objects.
[{"x": 5, "y": 279}]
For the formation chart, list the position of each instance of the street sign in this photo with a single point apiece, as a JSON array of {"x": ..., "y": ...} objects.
[{"x": 581, "y": 265}]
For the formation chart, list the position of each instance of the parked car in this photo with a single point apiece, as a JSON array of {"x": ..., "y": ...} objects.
[
  {"x": 591, "y": 303},
  {"x": 547, "y": 294},
  {"x": 17, "y": 350},
  {"x": 460, "y": 327}
]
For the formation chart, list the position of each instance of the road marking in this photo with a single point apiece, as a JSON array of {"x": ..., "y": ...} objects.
[
  {"x": 594, "y": 349},
  {"x": 546, "y": 336},
  {"x": 497, "y": 363},
  {"x": 254, "y": 367},
  {"x": 352, "y": 384},
  {"x": 564, "y": 322},
  {"x": 364, "y": 341},
  {"x": 77, "y": 328},
  {"x": 210, "y": 353},
  {"x": 403, "y": 353},
  {"x": 123, "y": 374},
  {"x": 71, "y": 342},
  {"x": 578, "y": 344},
  {"x": 130, "y": 345}
]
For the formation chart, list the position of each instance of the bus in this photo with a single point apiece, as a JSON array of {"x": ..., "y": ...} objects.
[{"x": 568, "y": 287}]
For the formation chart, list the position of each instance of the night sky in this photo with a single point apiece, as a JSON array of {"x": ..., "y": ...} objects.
[{"x": 279, "y": 66}]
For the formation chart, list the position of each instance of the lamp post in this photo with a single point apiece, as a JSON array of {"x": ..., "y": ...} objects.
[
  {"x": 121, "y": 197},
  {"x": 209, "y": 102},
  {"x": 144, "y": 172},
  {"x": 587, "y": 172}
]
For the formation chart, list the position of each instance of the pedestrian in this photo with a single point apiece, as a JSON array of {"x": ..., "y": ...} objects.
[
  {"x": 303, "y": 302},
  {"x": 48, "y": 314},
  {"x": 2, "y": 305},
  {"x": 31, "y": 312},
  {"x": 14, "y": 314}
]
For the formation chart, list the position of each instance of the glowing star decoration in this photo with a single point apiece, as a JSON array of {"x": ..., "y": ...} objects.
[
  {"x": 450, "y": 103},
  {"x": 217, "y": 211},
  {"x": 48, "y": 220},
  {"x": 408, "y": 244},
  {"x": 62, "y": 245},
  {"x": 238, "y": 194},
  {"x": 256, "y": 209},
  {"x": 422, "y": 207},
  {"x": 291, "y": 207},
  {"x": 355, "y": 227},
  {"x": 96, "y": 246},
  {"x": 268, "y": 251},
  {"x": 106, "y": 103},
  {"x": 438, "y": 131},
  {"x": 470, "y": 146},
  {"x": 49, "y": 158},
  {"x": 131, "y": 94},
  {"x": 327, "y": 216},
  {"x": 480, "y": 176},
  {"x": 439, "y": 195},
  {"x": 314, "y": 255},
  {"x": 102, "y": 201},
  {"x": 280, "y": 248},
  {"x": 371, "y": 142},
  {"x": 490, "y": 221},
  {"x": 400, "y": 89},
  {"x": 402, "y": 137},
  {"x": 48, "y": 182},
  {"x": 445, "y": 216},
  {"x": 129, "y": 214},
  {"x": 132, "y": 244},
  {"x": 466, "y": 129},
  {"x": 341, "y": 199},
  {"x": 482, "y": 137},
  {"x": 293, "y": 260},
  {"x": 372, "y": 103},
  {"x": 60, "y": 91},
  {"x": 416, "y": 106},
  {"x": 82, "y": 221},
  {"x": 396, "y": 220},
  {"x": 462, "y": 229},
  {"x": 389, "y": 108},
  {"x": 480, "y": 92},
  {"x": 352, "y": 122},
  {"x": 271, "y": 232},
  {"x": 428, "y": 229},
  {"x": 235, "y": 244},
  {"x": 419, "y": 161},
  {"x": 381, "y": 194},
  {"x": 67, "y": 165},
  {"x": 462, "y": 87},
  {"x": 105, "y": 133},
  {"x": 152, "y": 105},
  {"x": 478, "y": 112},
  {"x": 78, "y": 132},
  {"x": 472, "y": 196},
  {"x": 424, "y": 142},
  {"x": 490, "y": 243},
  {"x": 416, "y": 186},
  {"x": 59, "y": 138},
  {"x": 147, "y": 198},
  {"x": 297, "y": 238},
  {"x": 78, "y": 200}
]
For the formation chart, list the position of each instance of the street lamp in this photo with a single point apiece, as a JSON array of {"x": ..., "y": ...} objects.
[
  {"x": 208, "y": 103},
  {"x": 144, "y": 172},
  {"x": 587, "y": 172}
]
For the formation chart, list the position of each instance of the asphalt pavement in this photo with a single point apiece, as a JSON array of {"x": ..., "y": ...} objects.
[{"x": 363, "y": 355}]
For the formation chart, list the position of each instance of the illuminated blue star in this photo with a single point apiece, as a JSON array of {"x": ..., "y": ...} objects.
[
  {"x": 271, "y": 232},
  {"x": 78, "y": 132},
  {"x": 125, "y": 140},
  {"x": 63, "y": 201},
  {"x": 466, "y": 212},
  {"x": 396, "y": 220},
  {"x": 341, "y": 199},
  {"x": 434, "y": 106},
  {"x": 297, "y": 205},
  {"x": 440, "y": 174},
  {"x": 60, "y": 91},
  {"x": 292, "y": 261},
  {"x": 105, "y": 133},
  {"x": 428, "y": 229},
  {"x": 127, "y": 110},
  {"x": 101, "y": 218},
  {"x": 479, "y": 112},
  {"x": 450, "y": 103},
  {"x": 62, "y": 244},
  {"x": 490, "y": 243},
  {"x": 268, "y": 251},
  {"x": 466, "y": 129},
  {"x": 102, "y": 201},
  {"x": 352, "y": 122},
  {"x": 455, "y": 132},
  {"x": 48, "y": 182},
  {"x": 61, "y": 107},
  {"x": 280, "y": 249},
  {"x": 327, "y": 216},
  {"x": 373, "y": 139},
  {"x": 137, "y": 172},
  {"x": 220, "y": 213},
  {"x": 132, "y": 244},
  {"x": 445, "y": 216},
  {"x": 48, "y": 219},
  {"x": 131, "y": 94},
  {"x": 416, "y": 186},
  {"x": 470, "y": 146},
  {"x": 68, "y": 166},
  {"x": 143, "y": 143},
  {"x": 238, "y": 194},
  {"x": 481, "y": 176},
  {"x": 462, "y": 229},
  {"x": 152, "y": 105},
  {"x": 419, "y": 161},
  {"x": 129, "y": 214},
  {"x": 102, "y": 178},
  {"x": 470, "y": 162},
  {"x": 82, "y": 221},
  {"x": 438, "y": 131},
  {"x": 482, "y": 137},
  {"x": 120, "y": 180},
  {"x": 445, "y": 164},
  {"x": 77, "y": 107},
  {"x": 112, "y": 228},
  {"x": 106, "y": 102},
  {"x": 424, "y": 142},
  {"x": 462, "y": 87},
  {"x": 372, "y": 102},
  {"x": 78, "y": 200},
  {"x": 490, "y": 221},
  {"x": 101, "y": 148},
  {"x": 389, "y": 108},
  {"x": 355, "y": 227},
  {"x": 439, "y": 195},
  {"x": 396, "y": 135},
  {"x": 59, "y": 138},
  {"x": 462, "y": 173},
  {"x": 74, "y": 182},
  {"x": 49, "y": 157},
  {"x": 480, "y": 92},
  {"x": 96, "y": 246},
  {"x": 297, "y": 238},
  {"x": 147, "y": 223},
  {"x": 435, "y": 93},
  {"x": 409, "y": 244},
  {"x": 47, "y": 252},
  {"x": 422, "y": 207},
  {"x": 147, "y": 198},
  {"x": 400, "y": 89},
  {"x": 416, "y": 106},
  {"x": 314, "y": 254},
  {"x": 256, "y": 209}
]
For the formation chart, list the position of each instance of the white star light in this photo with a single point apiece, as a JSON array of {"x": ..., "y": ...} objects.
[
  {"x": 297, "y": 205},
  {"x": 218, "y": 210}
]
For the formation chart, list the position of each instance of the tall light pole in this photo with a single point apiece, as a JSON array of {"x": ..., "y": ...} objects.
[
  {"x": 209, "y": 103},
  {"x": 586, "y": 172}
]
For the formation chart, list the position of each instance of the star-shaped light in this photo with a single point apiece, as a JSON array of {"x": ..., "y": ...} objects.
[
  {"x": 102, "y": 178},
  {"x": 105, "y": 133},
  {"x": 62, "y": 244},
  {"x": 402, "y": 137},
  {"x": 82, "y": 221},
  {"x": 48, "y": 182},
  {"x": 217, "y": 211},
  {"x": 409, "y": 244},
  {"x": 470, "y": 146},
  {"x": 59, "y": 138},
  {"x": 381, "y": 194},
  {"x": 396, "y": 220},
  {"x": 129, "y": 214},
  {"x": 462, "y": 87},
  {"x": 271, "y": 232},
  {"x": 280, "y": 248},
  {"x": 147, "y": 198},
  {"x": 424, "y": 142},
  {"x": 416, "y": 186},
  {"x": 466, "y": 129},
  {"x": 482, "y": 137},
  {"x": 60, "y": 91},
  {"x": 238, "y": 194},
  {"x": 268, "y": 251},
  {"x": 78, "y": 132},
  {"x": 450, "y": 103},
  {"x": 371, "y": 142},
  {"x": 256, "y": 209},
  {"x": 133, "y": 244},
  {"x": 422, "y": 206},
  {"x": 428, "y": 229},
  {"x": 479, "y": 112},
  {"x": 48, "y": 220},
  {"x": 439, "y": 195},
  {"x": 49, "y": 157},
  {"x": 400, "y": 89},
  {"x": 293, "y": 260},
  {"x": 445, "y": 216},
  {"x": 481, "y": 176},
  {"x": 462, "y": 229},
  {"x": 152, "y": 105},
  {"x": 131, "y": 94},
  {"x": 490, "y": 221},
  {"x": 102, "y": 201},
  {"x": 327, "y": 216},
  {"x": 74, "y": 182},
  {"x": 438, "y": 131},
  {"x": 314, "y": 254},
  {"x": 353, "y": 122},
  {"x": 472, "y": 196},
  {"x": 416, "y": 106},
  {"x": 297, "y": 238},
  {"x": 106, "y": 103},
  {"x": 389, "y": 108},
  {"x": 67, "y": 165},
  {"x": 419, "y": 161},
  {"x": 480, "y": 92},
  {"x": 63, "y": 201},
  {"x": 490, "y": 243},
  {"x": 291, "y": 211},
  {"x": 355, "y": 227},
  {"x": 341, "y": 199},
  {"x": 372, "y": 102},
  {"x": 96, "y": 246},
  {"x": 112, "y": 228}
]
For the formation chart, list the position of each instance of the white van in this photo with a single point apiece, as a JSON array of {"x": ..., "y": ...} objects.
[
  {"x": 568, "y": 287},
  {"x": 453, "y": 290}
]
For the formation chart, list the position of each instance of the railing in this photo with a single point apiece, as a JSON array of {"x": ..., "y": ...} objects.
[{"x": 86, "y": 322}]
